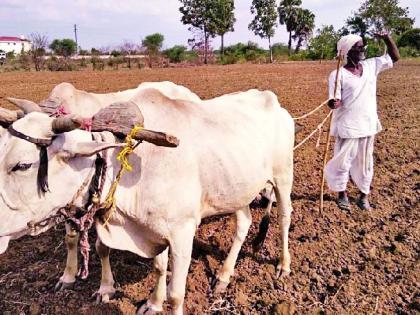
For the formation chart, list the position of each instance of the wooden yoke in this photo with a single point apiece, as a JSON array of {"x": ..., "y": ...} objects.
[{"x": 119, "y": 118}]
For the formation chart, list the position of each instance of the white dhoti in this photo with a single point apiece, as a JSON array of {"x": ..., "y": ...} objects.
[{"x": 354, "y": 157}]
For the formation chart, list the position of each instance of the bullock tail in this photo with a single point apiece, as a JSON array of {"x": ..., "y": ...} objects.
[{"x": 258, "y": 241}]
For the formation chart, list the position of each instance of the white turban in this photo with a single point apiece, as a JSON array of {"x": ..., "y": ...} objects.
[{"x": 345, "y": 44}]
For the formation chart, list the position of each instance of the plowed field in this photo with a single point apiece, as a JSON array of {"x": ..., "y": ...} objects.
[{"x": 342, "y": 262}]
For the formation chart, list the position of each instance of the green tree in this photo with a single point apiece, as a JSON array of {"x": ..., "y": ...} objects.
[
  {"x": 304, "y": 26},
  {"x": 288, "y": 11},
  {"x": 357, "y": 25},
  {"x": 385, "y": 15},
  {"x": 63, "y": 47},
  {"x": 223, "y": 19},
  {"x": 176, "y": 53},
  {"x": 410, "y": 38},
  {"x": 323, "y": 45},
  {"x": 153, "y": 43},
  {"x": 264, "y": 21},
  {"x": 200, "y": 15}
]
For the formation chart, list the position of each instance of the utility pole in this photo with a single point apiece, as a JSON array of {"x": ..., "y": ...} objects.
[{"x": 75, "y": 36}]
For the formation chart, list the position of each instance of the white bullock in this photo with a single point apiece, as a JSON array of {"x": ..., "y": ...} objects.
[
  {"x": 215, "y": 170},
  {"x": 66, "y": 99}
]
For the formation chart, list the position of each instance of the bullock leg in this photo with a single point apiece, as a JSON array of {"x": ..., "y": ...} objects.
[
  {"x": 243, "y": 222},
  {"x": 155, "y": 302},
  {"x": 283, "y": 189},
  {"x": 106, "y": 289},
  {"x": 181, "y": 249},
  {"x": 68, "y": 278}
]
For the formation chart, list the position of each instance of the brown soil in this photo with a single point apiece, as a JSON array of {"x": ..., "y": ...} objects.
[{"x": 343, "y": 263}]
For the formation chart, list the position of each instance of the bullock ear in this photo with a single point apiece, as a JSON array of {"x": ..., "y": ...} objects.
[{"x": 89, "y": 148}]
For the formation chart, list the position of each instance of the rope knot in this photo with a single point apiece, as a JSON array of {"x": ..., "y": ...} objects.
[{"x": 122, "y": 156}]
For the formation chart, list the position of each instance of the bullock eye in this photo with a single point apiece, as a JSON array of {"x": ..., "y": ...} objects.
[{"x": 21, "y": 167}]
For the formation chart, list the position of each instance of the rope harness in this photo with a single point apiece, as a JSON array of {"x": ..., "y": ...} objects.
[
  {"x": 317, "y": 129},
  {"x": 109, "y": 204},
  {"x": 82, "y": 218}
]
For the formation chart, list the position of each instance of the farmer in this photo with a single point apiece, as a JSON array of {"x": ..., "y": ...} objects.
[{"x": 355, "y": 120}]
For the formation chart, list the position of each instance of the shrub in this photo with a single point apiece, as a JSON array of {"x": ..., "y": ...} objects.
[
  {"x": 408, "y": 52},
  {"x": 60, "y": 64},
  {"x": 300, "y": 56},
  {"x": 24, "y": 61},
  {"x": 97, "y": 63},
  {"x": 176, "y": 53},
  {"x": 243, "y": 52},
  {"x": 411, "y": 38},
  {"x": 82, "y": 63},
  {"x": 116, "y": 53},
  {"x": 279, "y": 49}
]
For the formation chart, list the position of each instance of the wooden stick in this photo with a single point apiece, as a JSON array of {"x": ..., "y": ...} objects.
[
  {"x": 157, "y": 138},
  {"x": 321, "y": 199}
]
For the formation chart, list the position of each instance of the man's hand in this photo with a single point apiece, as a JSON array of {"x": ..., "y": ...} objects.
[
  {"x": 381, "y": 35},
  {"x": 334, "y": 103},
  {"x": 389, "y": 42}
]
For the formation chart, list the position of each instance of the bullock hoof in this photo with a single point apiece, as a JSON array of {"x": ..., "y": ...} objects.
[
  {"x": 256, "y": 246},
  {"x": 61, "y": 285},
  {"x": 282, "y": 272},
  {"x": 147, "y": 309},
  {"x": 220, "y": 287},
  {"x": 103, "y": 297}
]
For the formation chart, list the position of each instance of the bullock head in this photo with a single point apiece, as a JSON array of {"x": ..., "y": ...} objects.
[{"x": 26, "y": 196}]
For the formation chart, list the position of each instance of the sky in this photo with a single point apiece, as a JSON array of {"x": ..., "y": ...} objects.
[{"x": 108, "y": 23}]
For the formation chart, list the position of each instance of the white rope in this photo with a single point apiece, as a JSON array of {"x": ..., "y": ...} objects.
[
  {"x": 311, "y": 112},
  {"x": 318, "y": 128}
]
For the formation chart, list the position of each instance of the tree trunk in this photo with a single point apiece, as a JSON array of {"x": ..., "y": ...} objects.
[
  {"x": 205, "y": 46},
  {"x": 271, "y": 51},
  {"x": 290, "y": 43},
  {"x": 222, "y": 46},
  {"x": 298, "y": 45}
]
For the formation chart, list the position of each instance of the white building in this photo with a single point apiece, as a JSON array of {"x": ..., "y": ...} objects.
[{"x": 15, "y": 44}]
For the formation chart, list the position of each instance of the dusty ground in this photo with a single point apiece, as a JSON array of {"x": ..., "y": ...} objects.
[{"x": 343, "y": 263}]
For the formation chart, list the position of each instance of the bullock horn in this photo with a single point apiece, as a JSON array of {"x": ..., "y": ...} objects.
[
  {"x": 8, "y": 117},
  {"x": 66, "y": 123},
  {"x": 25, "y": 105}
]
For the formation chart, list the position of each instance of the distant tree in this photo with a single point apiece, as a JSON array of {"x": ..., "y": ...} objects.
[
  {"x": 223, "y": 19},
  {"x": 39, "y": 43},
  {"x": 127, "y": 49},
  {"x": 323, "y": 45},
  {"x": 280, "y": 49},
  {"x": 115, "y": 53},
  {"x": 200, "y": 14},
  {"x": 201, "y": 47},
  {"x": 357, "y": 25},
  {"x": 385, "y": 15},
  {"x": 410, "y": 38},
  {"x": 176, "y": 53},
  {"x": 343, "y": 31},
  {"x": 63, "y": 47},
  {"x": 95, "y": 52},
  {"x": 83, "y": 52},
  {"x": 304, "y": 26},
  {"x": 264, "y": 21},
  {"x": 288, "y": 15},
  {"x": 153, "y": 43}
]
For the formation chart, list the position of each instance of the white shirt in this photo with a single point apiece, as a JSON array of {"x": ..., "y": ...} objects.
[{"x": 357, "y": 117}]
